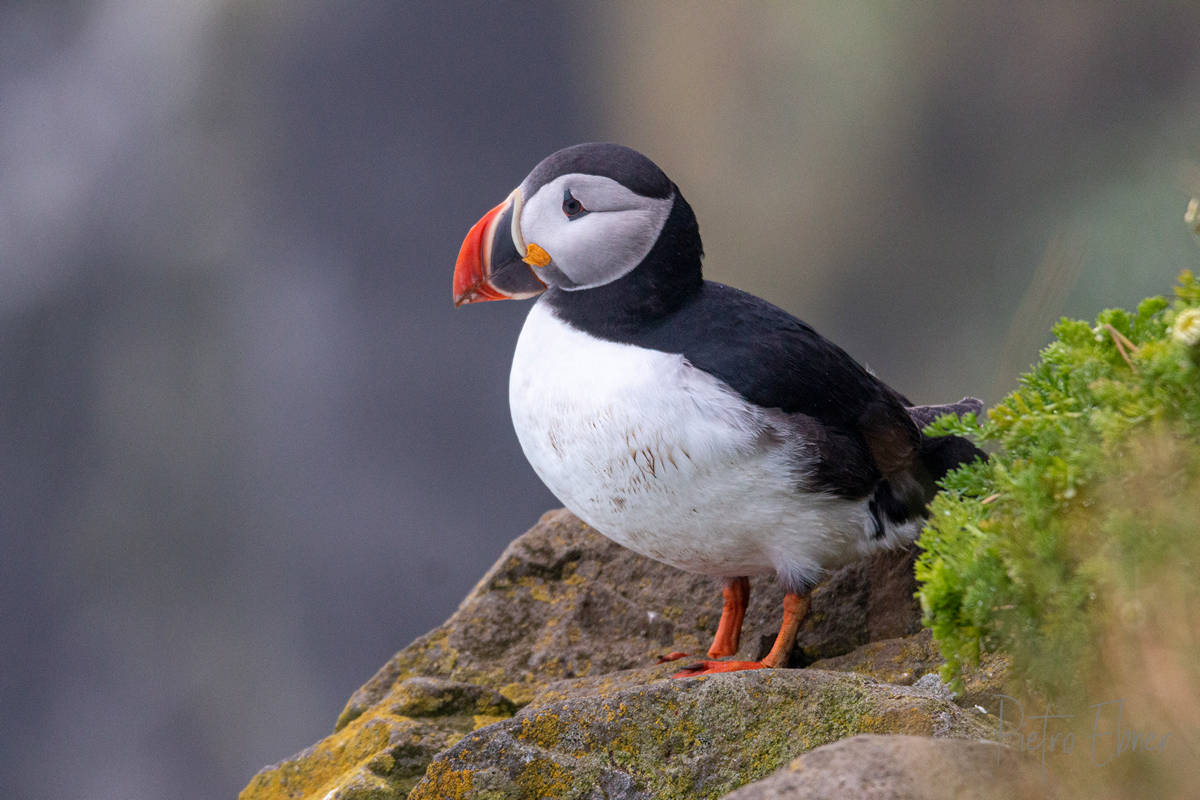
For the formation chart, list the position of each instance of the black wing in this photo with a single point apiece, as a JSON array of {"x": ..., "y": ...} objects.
[{"x": 858, "y": 423}]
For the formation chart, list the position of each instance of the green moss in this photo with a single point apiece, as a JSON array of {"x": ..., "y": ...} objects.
[
  {"x": 840, "y": 710},
  {"x": 443, "y": 699},
  {"x": 1031, "y": 552}
]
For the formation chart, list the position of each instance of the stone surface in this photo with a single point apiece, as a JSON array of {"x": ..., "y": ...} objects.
[
  {"x": 868, "y": 600},
  {"x": 900, "y": 660},
  {"x": 984, "y": 684},
  {"x": 870, "y": 767},
  {"x": 564, "y": 601},
  {"x": 384, "y": 754},
  {"x": 907, "y": 660},
  {"x": 566, "y": 616},
  {"x": 624, "y": 738}
]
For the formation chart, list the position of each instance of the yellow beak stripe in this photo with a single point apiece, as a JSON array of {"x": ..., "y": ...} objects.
[{"x": 536, "y": 256}]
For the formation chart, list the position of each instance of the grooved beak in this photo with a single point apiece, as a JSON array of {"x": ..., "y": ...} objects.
[
  {"x": 490, "y": 266},
  {"x": 474, "y": 262}
]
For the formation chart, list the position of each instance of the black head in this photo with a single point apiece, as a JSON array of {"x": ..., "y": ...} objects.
[
  {"x": 622, "y": 164},
  {"x": 587, "y": 218}
]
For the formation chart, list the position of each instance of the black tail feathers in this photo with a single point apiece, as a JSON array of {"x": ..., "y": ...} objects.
[
  {"x": 940, "y": 454},
  {"x": 923, "y": 415},
  {"x": 906, "y": 497}
]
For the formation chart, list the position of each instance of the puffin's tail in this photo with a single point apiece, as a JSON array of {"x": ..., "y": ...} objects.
[
  {"x": 940, "y": 454},
  {"x": 901, "y": 503}
]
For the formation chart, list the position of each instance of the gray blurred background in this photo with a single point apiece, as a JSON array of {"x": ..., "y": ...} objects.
[{"x": 248, "y": 448}]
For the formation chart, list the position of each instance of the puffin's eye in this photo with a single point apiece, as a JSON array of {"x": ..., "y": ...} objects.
[{"x": 572, "y": 207}]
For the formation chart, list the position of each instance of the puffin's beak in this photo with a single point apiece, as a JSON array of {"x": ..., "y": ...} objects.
[{"x": 490, "y": 266}]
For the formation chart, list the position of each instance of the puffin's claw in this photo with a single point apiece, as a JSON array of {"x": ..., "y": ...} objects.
[{"x": 675, "y": 656}]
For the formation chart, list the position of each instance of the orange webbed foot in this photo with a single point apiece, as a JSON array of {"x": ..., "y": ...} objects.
[
  {"x": 675, "y": 656},
  {"x": 713, "y": 667},
  {"x": 795, "y": 608}
]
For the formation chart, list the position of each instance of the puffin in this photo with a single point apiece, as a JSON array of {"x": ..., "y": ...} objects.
[{"x": 689, "y": 421}]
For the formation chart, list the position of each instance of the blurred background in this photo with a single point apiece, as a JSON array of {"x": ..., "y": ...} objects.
[{"x": 247, "y": 448}]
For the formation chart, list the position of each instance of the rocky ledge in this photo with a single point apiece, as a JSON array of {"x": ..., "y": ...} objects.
[{"x": 543, "y": 684}]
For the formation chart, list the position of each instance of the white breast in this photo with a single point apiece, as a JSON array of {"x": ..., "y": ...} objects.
[{"x": 668, "y": 461}]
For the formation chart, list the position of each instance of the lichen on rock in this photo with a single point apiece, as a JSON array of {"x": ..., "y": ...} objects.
[
  {"x": 565, "y": 628},
  {"x": 690, "y": 738}
]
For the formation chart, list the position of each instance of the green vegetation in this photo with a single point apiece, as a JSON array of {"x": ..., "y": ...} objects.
[{"x": 1079, "y": 539}]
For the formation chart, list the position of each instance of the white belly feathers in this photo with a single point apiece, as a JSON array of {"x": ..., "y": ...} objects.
[{"x": 668, "y": 461}]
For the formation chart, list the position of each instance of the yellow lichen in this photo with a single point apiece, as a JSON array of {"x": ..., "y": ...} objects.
[
  {"x": 443, "y": 783},
  {"x": 870, "y": 723},
  {"x": 483, "y": 720},
  {"x": 327, "y": 763},
  {"x": 541, "y": 777},
  {"x": 382, "y": 763},
  {"x": 537, "y": 587},
  {"x": 913, "y": 720},
  {"x": 518, "y": 693},
  {"x": 544, "y": 729}
]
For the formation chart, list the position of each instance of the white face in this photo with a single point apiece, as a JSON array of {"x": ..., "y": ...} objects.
[{"x": 602, "y": 245}]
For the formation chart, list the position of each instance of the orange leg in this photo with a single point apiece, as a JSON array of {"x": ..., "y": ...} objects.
[
  {"x": 736, "y": 593},
  {"x": 795, "y": 608},
  {"x": 729, "y": 630}
]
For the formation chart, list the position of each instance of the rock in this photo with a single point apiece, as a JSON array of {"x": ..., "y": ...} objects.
[
  {"x": 564, "y": 601},
  {"x": 986, "y": 682},
  {"x": 901, "y": 660},
  {"x": 564, "y": 615},
  {"x": 908, "y": 660},
  {"x": 384, "y": 754},
  {"x": 874, "y": 598},
  {"x": 873, "y": 767},
  {"x": 691, "y": 738},
  {"x": 436, "y": 697},
  {"x": 561, "y": 601},
  {"x": 934, "y": 686}
]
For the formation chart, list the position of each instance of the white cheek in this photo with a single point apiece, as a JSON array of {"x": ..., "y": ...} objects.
[{"x": 603, "y": 245}]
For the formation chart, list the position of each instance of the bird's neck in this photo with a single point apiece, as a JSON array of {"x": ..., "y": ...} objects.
[{"x": 667, "y": 278}]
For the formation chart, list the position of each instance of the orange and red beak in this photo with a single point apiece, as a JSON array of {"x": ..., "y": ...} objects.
[{"x": 490, "y": 266}]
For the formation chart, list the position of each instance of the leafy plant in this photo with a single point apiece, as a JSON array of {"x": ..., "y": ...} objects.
[{"x": 1091, "y": 494}]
